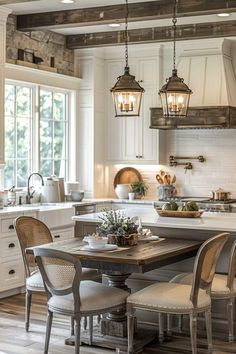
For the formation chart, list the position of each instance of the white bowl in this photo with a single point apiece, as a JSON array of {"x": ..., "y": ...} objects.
[
  {"x": 77, "y": 196},
  {"x": 97, "y": 243}
]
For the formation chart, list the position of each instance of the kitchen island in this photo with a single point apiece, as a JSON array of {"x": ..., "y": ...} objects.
[{"x": 209, "y": 224}]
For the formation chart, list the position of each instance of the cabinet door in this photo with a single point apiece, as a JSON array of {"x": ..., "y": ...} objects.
[
  {"x": 114, "y": 124},
  {"x": 148, "y": 138},
  {"x": 148, "y": 74},
  {"x": 63, "y": 234}
]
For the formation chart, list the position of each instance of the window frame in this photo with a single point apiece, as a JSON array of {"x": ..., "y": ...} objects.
[{"x": 35, "y": 123}]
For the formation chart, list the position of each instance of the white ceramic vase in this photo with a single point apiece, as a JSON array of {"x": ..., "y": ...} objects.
[{"x": 122, "y": 191}]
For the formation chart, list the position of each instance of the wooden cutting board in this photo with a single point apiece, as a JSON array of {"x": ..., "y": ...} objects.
[{"x": 127, "y": 175}]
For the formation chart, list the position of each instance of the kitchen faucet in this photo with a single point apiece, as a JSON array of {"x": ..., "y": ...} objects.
[{"x": 30, "y": 195}]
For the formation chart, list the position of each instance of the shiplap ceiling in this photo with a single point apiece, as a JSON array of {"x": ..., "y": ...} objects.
[{"x": 56, "y": 5}]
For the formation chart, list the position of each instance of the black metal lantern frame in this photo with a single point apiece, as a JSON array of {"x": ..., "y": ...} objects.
[
  {"x": 175, "y": 94},
  {"x": 127, "y": 93}
]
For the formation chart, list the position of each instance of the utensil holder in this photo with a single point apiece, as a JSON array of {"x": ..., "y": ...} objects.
[{"x": 166, "y": 191}]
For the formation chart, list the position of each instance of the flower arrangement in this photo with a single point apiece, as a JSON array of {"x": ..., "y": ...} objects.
[{"x": 120, "y": 229}]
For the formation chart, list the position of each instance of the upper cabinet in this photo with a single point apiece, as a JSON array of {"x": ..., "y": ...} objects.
[{"x": 129, "y": 139}]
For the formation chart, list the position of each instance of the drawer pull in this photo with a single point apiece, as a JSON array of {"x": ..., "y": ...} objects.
[
  {"x": 12, "y": 271},
  {"x": 57, "y": 236},
  {"x": 11, "y": 227},
  {"x": 11, "y": 245}
]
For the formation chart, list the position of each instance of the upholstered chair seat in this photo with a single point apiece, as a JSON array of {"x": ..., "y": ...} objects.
[
  {"x": 69, "y": 296},
  {"x": 223, "y": 287},
  {"x": 181, "y": 299},
  {"x": 172, "y": 297},
  {"x": 33, "y": 232}
]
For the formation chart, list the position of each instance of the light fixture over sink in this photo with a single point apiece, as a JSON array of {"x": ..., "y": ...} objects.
[
  {"x": 127, "y": 93},
  {"x": 175, "y": 93}
]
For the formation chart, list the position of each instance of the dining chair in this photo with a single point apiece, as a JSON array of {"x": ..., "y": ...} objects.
[
  {"x": 172, "y": 298},
  {"x": 223, "y": 288},
  {"x": 32, "y": 232},
  {"x": 69, "y": 296}
]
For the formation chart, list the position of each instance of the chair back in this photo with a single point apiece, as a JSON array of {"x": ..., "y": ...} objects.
[
  {"x": 31, "y": 232},
  {"x": 205, "y": 264},
  {"x": 61, "y": 273},
  {"x": 232, "y": 268}
]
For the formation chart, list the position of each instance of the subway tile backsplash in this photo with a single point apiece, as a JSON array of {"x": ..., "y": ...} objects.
[{"x": 218, "y": 146}]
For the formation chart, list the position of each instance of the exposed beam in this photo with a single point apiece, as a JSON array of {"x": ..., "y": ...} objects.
[
  {"x": 8, "y": 2},
  {"x": 157, "y": 34},
  {"x": 148, "y": 10}
]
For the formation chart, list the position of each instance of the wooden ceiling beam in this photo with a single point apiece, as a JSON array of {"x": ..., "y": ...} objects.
[
  {"x": 155, "y": 34},
  {"x": 141, "y": 11},
  {"x": 8, "y": 2}
]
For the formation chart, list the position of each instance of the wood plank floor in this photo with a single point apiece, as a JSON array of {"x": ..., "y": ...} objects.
[{"x": 14, "y": 339}]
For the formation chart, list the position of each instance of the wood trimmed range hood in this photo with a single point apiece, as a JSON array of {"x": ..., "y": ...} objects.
[{"x": 210, "y": 73}]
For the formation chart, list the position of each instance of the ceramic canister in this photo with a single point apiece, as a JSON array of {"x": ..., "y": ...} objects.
[{"x": 122, "y": 191}]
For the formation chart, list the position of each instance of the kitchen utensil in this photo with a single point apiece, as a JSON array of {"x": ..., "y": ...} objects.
[
  {"x": 162, "y": 173},
  {"x": 166, "y": 179},
  {"x": 220, "y": 194},
  {"x": 173, "y": 179},
  {"x": 159, "y": 179}
]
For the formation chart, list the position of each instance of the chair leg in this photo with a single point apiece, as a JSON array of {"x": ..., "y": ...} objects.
[
  {"x": 130, "y": 325},
  {"x": 72, "y": 326},
  {"x": 48, "y": 331},
  {"x": 169, "y": 325},
  {"x": 180, "y": 323},
  {"x": 230, "y": 309},
  {"x": 28, "y": 298},
  {"x": 209, "y": 330},
  {"x": 161, "y": 328},
  {"x": 90, "y": 330},
  {"x": 193, "y": 332},
  {"x": 85, "y": 323},
  {"x": 77, "y": 334},
  {"x": 98, "y": 319}
]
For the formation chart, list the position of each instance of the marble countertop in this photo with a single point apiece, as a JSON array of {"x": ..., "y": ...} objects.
[{"x": 149, "y": 217}]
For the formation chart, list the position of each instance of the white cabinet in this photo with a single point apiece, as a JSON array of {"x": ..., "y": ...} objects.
[
  {"x": 130, "y": 139},
  {"x": 63, "y": 234},
  {"x": 12, "y": 273}
]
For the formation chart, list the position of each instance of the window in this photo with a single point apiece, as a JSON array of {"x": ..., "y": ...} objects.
[{"x": 35, "y": 139}]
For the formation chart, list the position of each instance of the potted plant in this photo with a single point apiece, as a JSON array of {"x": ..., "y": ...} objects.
[
  {"x": 119, "y": 229},
  {"x": 140, "y": 189}
]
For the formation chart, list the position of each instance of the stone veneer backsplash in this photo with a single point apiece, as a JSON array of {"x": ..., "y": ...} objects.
[
  {"x": 218, "y": 146},
  {"x": 44, "y": 44}
]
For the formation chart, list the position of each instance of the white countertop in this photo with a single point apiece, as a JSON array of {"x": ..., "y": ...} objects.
[{"x": 149, "y": 217}]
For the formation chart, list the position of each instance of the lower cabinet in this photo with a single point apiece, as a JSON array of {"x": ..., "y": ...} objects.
[{"x": 12, "y": 271}]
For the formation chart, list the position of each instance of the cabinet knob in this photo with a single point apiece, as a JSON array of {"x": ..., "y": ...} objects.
[
  {"x": 12, "y": 271},
  {"x": 140, "y": 80},
  {"x": 11, "y": 245},
  {"x": 11, "y": 227},
  {"x": 57, "y": 236}
]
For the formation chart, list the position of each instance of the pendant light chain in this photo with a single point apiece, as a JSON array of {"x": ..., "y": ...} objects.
[
  {"x": 126, "y": 34},
  {"x": 174, "y": 21}
]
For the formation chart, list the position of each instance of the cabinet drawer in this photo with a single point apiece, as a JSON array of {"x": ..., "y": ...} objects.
[
  {"x": 12, "y": 274},
  {"x": 10, "y": 247},
  {"x": 7, "y": 225},
  {"x": 63, "y": 234}
]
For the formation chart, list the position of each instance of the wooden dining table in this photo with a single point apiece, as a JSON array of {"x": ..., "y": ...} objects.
[{"x": 117, "y": 265}]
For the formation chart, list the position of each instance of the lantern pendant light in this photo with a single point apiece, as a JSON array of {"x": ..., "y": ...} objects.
[
  {"x": 175, "y": 93},
  {"x": 127, "y": 93}
]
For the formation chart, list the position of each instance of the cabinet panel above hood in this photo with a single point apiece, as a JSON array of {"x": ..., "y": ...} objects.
[{"x": 210, "y": 73}]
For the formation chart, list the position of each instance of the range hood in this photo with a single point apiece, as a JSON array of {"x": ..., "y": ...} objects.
[{"x": 210, "y": 73}]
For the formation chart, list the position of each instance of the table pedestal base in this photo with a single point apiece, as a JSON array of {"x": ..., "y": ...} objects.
[{"x": 141, "y": 338}]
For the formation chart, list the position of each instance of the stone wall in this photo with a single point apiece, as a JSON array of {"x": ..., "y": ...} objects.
[{"x": 44, "y": 44}]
